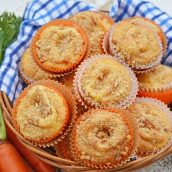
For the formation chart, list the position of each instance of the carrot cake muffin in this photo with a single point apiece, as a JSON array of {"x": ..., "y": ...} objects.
[
  {"x": 154, "y": 124},
  {"x": 102, "y": 139},
  {"x": 59, "y": 46},
  {"x": 105, "y": 82},
  {"x": 41, "y": 112},
  {"x": 156, "y": 84},
  {"x": 136, "y": 44},
  {"x": 154, "y": 26},
  {"x": 29, "y": 70},
  {"x": 95, "y": 24},
  {"x": 159, "y": 78}
]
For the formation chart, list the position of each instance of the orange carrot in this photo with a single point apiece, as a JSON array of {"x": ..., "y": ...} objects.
[
  {"x": 33, "y": 161},
  {"x": 10, "y": 159}
]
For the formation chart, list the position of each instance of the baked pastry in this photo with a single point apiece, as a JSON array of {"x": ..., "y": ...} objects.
[
  {"x": 59, "y": 46},
  {"x": 102, "y": 139},
  {"x": 95, "y": 24},
  {"x": 29, "y": 70},
  {"x": 136, "y": 44},
  {"x": 157, "y": 83},
  {"x": 154, "y": 122},
  {"x": 102, "y": 81},
  {"x": 41, "y": 113},
  {"x": 154, "y": 26}
]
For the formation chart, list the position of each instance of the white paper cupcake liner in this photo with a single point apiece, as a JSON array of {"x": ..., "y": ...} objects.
[
  {"x": 105, "y": 43},
  {"x": 88, "y": 101},
  {"x": 112, "y": 50}
]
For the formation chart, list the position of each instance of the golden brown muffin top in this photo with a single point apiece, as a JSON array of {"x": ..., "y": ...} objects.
[
  {"x": 138, "y": 45},
  {"x": 154, "y": 125},
  {"x": 159, "y": 78},
  {"x": 105, "y": 81},
  {"x": 102, "y": 137},
  {"x": 142, "y": 20},
  {"x": 95, "y": 24},
  {"x": 59, "y": 46},
  {"x": 41, "y": 113},
  {"x": 30, "y": 69}
]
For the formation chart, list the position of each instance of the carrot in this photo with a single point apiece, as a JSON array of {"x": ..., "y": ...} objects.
[
  {"x": 33, "y": 161},
  {"x": 10, "y": 159}
]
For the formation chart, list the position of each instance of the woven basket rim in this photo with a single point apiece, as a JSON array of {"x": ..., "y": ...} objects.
[{"x": 69, "y": 165}]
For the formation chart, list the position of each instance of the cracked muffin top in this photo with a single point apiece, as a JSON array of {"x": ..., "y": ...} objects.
[
  {"x": 29, "y": 70},
  {"x": 102, "y": 138},
  {"x": 106, "y": 82},
  {"x": 95, "y": 24},
  {"x": 41, "y": 113},
  {"x": 154, "y": 124},
  {"x": 137, "y": 44},
  {"x": 59, "y": 46},
  {"x": 154, "y": 26}
]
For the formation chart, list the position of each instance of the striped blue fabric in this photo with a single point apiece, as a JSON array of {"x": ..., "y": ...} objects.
[{"x": 39, "y": 12}]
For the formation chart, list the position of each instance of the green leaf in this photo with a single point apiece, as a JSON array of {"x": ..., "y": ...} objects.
[
  {"x": 9, "y": 25},
  {"x": 1, "y": 44},
  {"x": 3, "y": 135}
]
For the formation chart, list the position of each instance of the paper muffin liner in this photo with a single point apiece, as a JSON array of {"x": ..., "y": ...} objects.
[
  {"x": 112, "y": 50},
  {"x": 144, "y": 70},
  {"x": 59, "y": 22},
  {"x": 164, "y": 94},
  {"x": 169, "y": 114},
  {"x": 87, "y": 101},
  {"x": 161, "y": 33},
  {"x": 77, "y": 93},
  {"x": 105, "y": 43},
  {"x": 70, "y": 117},
  {"x": 100, "y": 45},
  {"x": 124, "y": 158},
  {"x": 63, "y": 149}
]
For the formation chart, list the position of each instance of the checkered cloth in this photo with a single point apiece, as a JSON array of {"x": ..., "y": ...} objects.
[{"x": 39, "y": 12}]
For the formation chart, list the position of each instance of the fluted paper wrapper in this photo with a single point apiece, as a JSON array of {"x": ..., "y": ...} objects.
[
  {"x": 108, "y": 165},
  {"x": 47, "y": 142},
  {"x": 112, "y": 50},
  {"x": 163, "y": 94},
  {"x": 87, "y": 101}
]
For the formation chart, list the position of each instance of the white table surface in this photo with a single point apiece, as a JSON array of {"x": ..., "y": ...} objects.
[{"x": 18, "y": 7}]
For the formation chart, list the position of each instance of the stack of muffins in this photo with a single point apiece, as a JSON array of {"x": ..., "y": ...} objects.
[{"x": 84, "y": 75}]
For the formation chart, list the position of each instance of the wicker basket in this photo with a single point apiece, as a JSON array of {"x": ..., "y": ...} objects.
[{"x": 72, "y": 166}]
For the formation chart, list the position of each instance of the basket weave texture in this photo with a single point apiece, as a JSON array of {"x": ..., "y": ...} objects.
[{"x": 69, "y": 165}]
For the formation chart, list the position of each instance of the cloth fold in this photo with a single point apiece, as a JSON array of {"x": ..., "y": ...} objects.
[{"x": 39, "y": 12}]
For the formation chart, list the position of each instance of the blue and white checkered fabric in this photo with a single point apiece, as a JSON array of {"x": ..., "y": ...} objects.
[{"x": 39, "y": 12}]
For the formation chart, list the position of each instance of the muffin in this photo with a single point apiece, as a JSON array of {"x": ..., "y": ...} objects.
[
  {"x": 59, "y": 46},
  {"x": 102, "y": 139},
  {"x": 154, "y": 26},
  {"x": 29, "y": 70},
  {"x": 156, "y": 84},
  {"x": 154, "y": 122},
  {"x": 136, "y": 44},
  {"x": 95, "y": 24},
  {"x": 43, "y": 113},
  {"x": 102, "y": 81}
]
